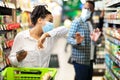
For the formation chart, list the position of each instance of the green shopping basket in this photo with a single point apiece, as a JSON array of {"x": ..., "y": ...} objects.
[{"x": 12, "y": 73}]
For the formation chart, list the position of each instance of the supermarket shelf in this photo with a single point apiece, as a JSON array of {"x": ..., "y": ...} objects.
[
  {"x": 114, "y": 77},
  {"x": 2, "y": 66},
  {"x": 4, "y": 31},
  {"x": 112, "y": 39},
  {"x": 113, "y": 3},
  {"x": 7, "y": 5},
  {"x": 112, "y": 21},
  {"x": 117, "y": 61},
  {"x": 10, "y": 5},
  {"x": 99, "y": 61},
  {"x": 99, "y": 69},
  {"x": 114, "y": 58},
  {"x": 117, "y": 74},
  {"x": 6, "y": 8},
  {"x": 105, "y": 78},
  {"x": 5, "y": 11},
  {"x": 99, "y": 66}
]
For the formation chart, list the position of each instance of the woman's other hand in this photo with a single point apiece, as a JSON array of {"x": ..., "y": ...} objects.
[{"x": 21, "y": 55}]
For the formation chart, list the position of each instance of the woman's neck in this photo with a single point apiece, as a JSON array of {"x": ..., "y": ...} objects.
[{"x": 36, "y": 32}]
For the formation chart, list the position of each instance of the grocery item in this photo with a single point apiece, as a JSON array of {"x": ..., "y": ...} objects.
[{"x": 47, "y": 76}]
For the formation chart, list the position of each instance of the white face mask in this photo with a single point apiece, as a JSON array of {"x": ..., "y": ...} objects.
[{"x": 85, "y": 14}]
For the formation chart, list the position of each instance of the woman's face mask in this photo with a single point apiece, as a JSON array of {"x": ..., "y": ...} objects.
[
  {"x": 85, "y": 14},
  {"x": 48, "y": 27}
]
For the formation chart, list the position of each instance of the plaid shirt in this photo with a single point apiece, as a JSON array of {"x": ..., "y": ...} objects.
[{"x": 80, "y": 52}]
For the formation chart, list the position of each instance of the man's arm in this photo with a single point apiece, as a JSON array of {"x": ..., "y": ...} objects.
[{"x": 74, "y": 37}]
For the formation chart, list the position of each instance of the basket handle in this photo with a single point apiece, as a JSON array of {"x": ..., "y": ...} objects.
[{"x": 31, "y": 72}]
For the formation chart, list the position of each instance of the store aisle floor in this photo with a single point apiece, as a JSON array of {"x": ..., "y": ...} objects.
[{"x": 66, "y": 70}]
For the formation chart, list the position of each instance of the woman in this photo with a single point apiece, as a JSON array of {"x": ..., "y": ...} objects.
[{"x": 31, "y": 48}]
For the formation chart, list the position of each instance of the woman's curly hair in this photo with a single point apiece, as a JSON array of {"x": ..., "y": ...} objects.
[{"x": 39, "y": 11}]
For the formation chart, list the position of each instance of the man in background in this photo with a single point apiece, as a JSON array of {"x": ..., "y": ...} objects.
[{"x": 82, "y": 37}]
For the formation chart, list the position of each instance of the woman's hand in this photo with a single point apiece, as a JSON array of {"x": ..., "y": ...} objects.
[
  {"x": 78, "y": 38},
  {"x": 42, "y": 40},
  {"x": 95, "y": 34},
  {"x": 21, "y": 55}
]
